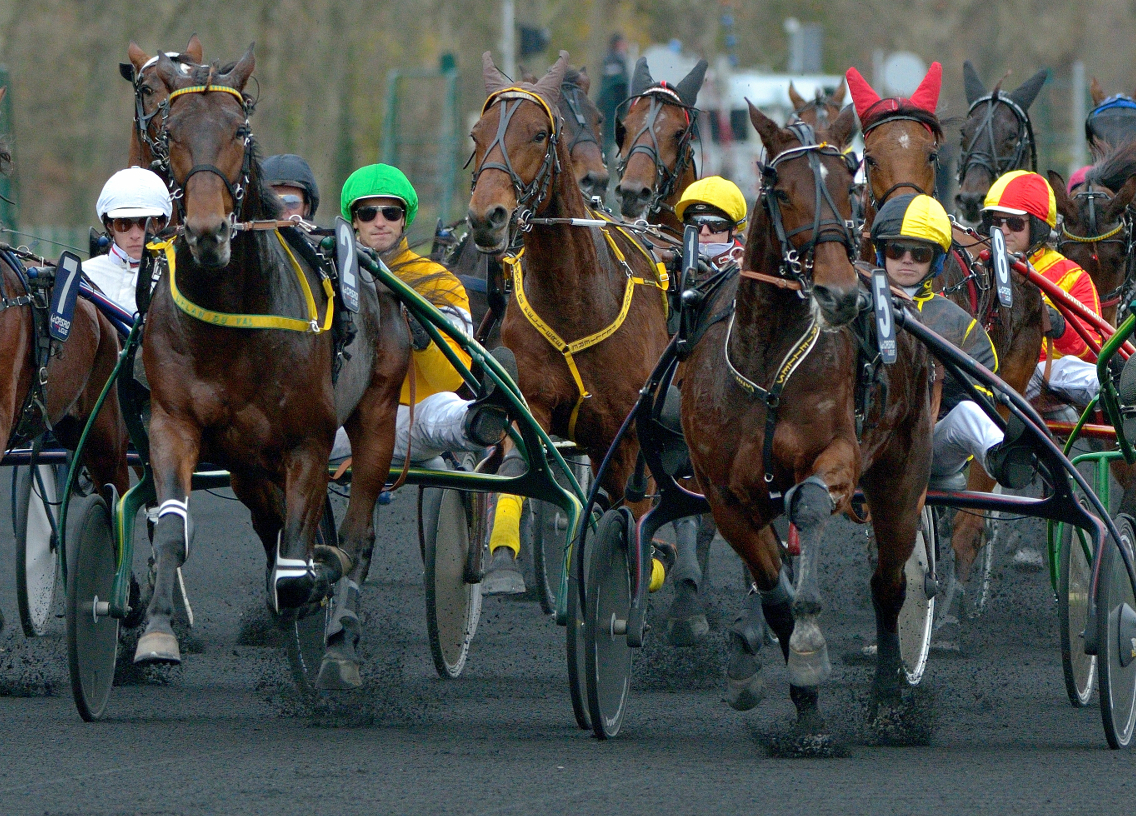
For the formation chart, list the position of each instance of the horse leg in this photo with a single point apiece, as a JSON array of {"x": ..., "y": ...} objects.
[
  {"x": 686, "y": 619},
  {"x": 173, "y": 456},
  {"x": 265, "y": 503},
  {"x": 968, "y": 529}
]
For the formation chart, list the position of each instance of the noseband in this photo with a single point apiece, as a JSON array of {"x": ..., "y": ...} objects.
[
  {"x": 665, "y": 180},
  {"x": 984, "y": 156}
]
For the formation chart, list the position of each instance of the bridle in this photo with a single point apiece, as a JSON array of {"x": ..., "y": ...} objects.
[
  {"x": 570, "y": 93},
  {"x": 142, "y": 120},
  {"x": 666, "y": 180},
  {"x": 984, "y": 156},
  {"x": 1121, "y": 234},
  {"x": 874, "y": 201}
]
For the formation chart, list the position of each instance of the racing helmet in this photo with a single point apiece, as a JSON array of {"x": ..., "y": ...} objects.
[
  {"x": 914, "y": 218},
  {"x": 379, "y": 181},
  {"x": 290, "y": 169},
  {"x": 1021, "y": 192},
  {"x": 134, "y": 193},
  {"x": 714, "y": 194}
]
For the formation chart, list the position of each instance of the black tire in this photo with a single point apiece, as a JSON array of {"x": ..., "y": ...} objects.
[
  {"x": 304, "y": 641},
  {"x": 916, "y": 617},
  {"x": 1116, "y": 611},
  {"x": 37, "y": 493},
  {"x": 607, "y": 656},
  {"x": 453, "y": 606},
  {"x": 550, "y": 533},
  {"x": 574, "y": 640},
  {"x": 92, "y": 640},
  {"x": 1074, "y": 572}
]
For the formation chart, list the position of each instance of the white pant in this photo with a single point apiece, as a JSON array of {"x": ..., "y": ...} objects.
[
  {"x": 1070, "y": 378},
  {"x": 964, "y": 432},
  {"x": 437, "y": 428}
]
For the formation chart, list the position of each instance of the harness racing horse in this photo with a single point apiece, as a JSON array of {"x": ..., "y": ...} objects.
[
  {"x": 656, "y": 157},
  {"x": 997, "y": 137},
  {"x": 902, "y": 138},
  {"x": 821, "y": 111},
  {"x": 587, "y": 318},
  {"x": 769, "y": 411},
  {"x": 1112, "y": 121},
  {"x": 240, "y": 361},
  {"x": 149, "y": 93}
]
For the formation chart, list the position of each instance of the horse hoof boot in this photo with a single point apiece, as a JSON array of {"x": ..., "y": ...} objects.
[
  {"x": 503, "y": 577},
  {"x": 338, "y": 674},
  {"x": 686, "y": 620},
  {"x": 745, "y": 687},
  {"x": 809, "y": 668},
  {"x": 157, "y": 647}
]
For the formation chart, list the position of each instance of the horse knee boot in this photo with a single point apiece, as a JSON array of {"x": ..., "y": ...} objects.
[
  {"x": 340, "y": 667},
  {"x": 744, "y": 683}
]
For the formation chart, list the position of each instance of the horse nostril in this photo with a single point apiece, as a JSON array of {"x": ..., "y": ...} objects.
[{"x": 497, "y": 216}]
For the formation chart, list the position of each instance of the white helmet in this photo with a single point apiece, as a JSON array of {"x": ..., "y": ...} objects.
[{"x": 134, "y": 193}]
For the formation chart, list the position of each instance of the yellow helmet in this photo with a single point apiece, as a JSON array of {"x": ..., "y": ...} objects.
[{"x": 717, "y": 192}]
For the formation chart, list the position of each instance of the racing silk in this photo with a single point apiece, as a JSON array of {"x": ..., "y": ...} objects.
[
  {"x": 1065, "y": 273},
  {"x": 432, "y": 371},
  {"x": 951, "y": 322},
  {"x": 115, "y": 275}
]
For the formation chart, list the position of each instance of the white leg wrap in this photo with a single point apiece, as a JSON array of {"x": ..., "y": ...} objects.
[
  {"x": 178, "y": 508},
  {"x": 287, "y": 568}
]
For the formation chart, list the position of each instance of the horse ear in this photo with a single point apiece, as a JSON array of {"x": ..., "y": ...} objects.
[
  {"x": 767, "y": 129},
  {"x": 194, "y": 51},
  {"x": 166, "y": 70},
  {"x": 1061, "y": 196},
  {"x": 137, "y": 57},
  {"x": 794, "y": 97},
  {"x": 1123, "y": 198},
  {"x": 971, "y": 82},
  {"x": 240, "y": 73},
  {"x": 526, "y": 75},
  {"x": 691, "y": 84},
  {"x": 863, "y": 97},
  {"x": 926, "y": 96},
  {"x": 841, "y": 131},
  {"x": 1096, "y": 92},
  {"x": 641, "y": 80},
  {"x": 838, "y": 95},
  {"x": 1027, "y": 92},
  {"x": 494, "y": 79},
  {"x": 549, "y": 85},
  {"x": 583, "y": 80}
]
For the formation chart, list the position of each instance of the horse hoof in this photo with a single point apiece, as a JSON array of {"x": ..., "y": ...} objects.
[
  {"x": 687, "y": 632},
  {"x": 338, "y": 674},
  {"x": 157, "y": 647},
  {"x": 901, "y": 720},
  {"x": 806, "y": 745},
  {"x": 809, "y": 668},
  {"x": 743, "y": 695}
]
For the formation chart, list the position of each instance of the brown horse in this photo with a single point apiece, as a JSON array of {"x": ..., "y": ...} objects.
[
  {"x": 902, "y": 138},
  {"x": 656, "y": 157},
  {"x": 149, "y": 93},
  {"x": 821, "y": 111},
  {"x": 260, "y": 402},
  {"x": 997, "y": 137},
  {"x": 573, "y": 280},
  {"x": 769, "y": 412}
]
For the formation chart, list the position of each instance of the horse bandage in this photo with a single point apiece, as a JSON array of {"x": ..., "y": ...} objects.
[{"x": 507, "y": 524}]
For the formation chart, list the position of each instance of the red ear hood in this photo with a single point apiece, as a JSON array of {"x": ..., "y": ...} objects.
[
  {"x": 926, "y": 96},
  {"x": 863, "y": 97}
]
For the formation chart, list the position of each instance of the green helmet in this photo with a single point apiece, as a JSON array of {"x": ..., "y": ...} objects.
[{"x": 378, "y": 180}]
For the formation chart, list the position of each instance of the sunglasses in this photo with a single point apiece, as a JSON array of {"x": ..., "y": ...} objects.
[
  {"x": 920, "y": 253},
  {"x": 391, "y": 213},
  {"x": 1016, "y": 223},
  {"x": 292, "y": 201},
  {"x": 713, "y": 223},
  {"x": 157, "y": 223}
]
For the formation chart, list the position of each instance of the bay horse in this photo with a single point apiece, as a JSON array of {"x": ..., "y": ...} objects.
[
  {"x": 769, "y": 410},
  {"x": 902, "y": 139},
  {"x": 820, "y": 111},
  {"x": 656, "y": 157},
  {"x": 149, "y": 93},
  {"x": 997, "y": 137},
  {"x": 593, "y": 288},
  {"x": 240, "y": 363}
]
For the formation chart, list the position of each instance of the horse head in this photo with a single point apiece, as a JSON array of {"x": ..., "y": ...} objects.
[
  {"x": 997, "y": 137},
  {"x": 210, "y": 148},
  {"x": 149, "y": 93},
  {"x": 804, "y": 215},
  {"x": 661, "y": 119},
  {"x": 821, "y": 111},
  {"x": 517, "y": 152}
]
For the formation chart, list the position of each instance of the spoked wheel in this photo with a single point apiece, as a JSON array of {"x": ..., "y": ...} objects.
[
  {"x": 37, "y": 553},
  {"x": 550, "y": 531},
  {"x": 916, "y": 617},
  {"x": 1116, "y": 627},
  {"x": 1074, "y": 572},
  {"x": 92, "y": 638},
  {"x": 453, "y": 605},
  {"x": 304, "y": 637},
  {"x": 607, "y": 656}
]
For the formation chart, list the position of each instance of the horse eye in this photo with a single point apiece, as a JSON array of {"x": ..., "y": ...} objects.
[
  {"x": 540, "y": 137},
  {"x": 147, "y": 90},
  {"x": 868, "y": 160},
  {"x": 782, "y": 196},
  {"x": 933, "y": 157}
]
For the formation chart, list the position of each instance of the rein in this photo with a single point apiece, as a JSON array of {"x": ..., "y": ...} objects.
[
  {"x": 987, "y": 159},
  {"x": 665, "y": 180}
]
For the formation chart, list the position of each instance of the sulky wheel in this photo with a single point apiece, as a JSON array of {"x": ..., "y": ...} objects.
[
  {"x": 1116, "y": 639},
  {"x": 577, "y": 669},
  {"x": 92, "y": 635},
  {"x": 550, "y": 530},
  {"x": 37, "y": 493},
  {"x": 453, "y": 605},
  {"x": 916, "y": 617},
  {"x": 304, "y": 637},
  {"x": 1074, "y": 572},
  {"x": 607, "y": 657}
]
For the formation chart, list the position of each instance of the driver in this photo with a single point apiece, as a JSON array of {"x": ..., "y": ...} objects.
[
  {"x": 127, "y": 200},
  {"x": 291, "y": 178},
  {"x": 717, "y": 207}
]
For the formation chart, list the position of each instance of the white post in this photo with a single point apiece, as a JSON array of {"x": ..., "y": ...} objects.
[
  {"x": 509, "y": 38},
  {"x": 1079, "y": 154}
]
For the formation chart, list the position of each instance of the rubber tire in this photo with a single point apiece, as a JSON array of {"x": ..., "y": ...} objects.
[
  {"x": 1117, "y": 683},
  {"x": 304, "y": 638},
  {"x": 453, "y": 606},
  {"x": 549, "y": 534},
  {"x": 917, "y": 616},
  {"x": 37, "y": 557},
  {"x": 574, "y": 637},
  {"x": 92, "y": 644},
  {"x": 1074, "y": 574},
  {"x": 607, "y": 656}
]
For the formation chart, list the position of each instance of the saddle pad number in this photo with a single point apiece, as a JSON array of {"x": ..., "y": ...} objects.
[
  {"x": 1001, "y": 263},
  {"x": 68, "y": 273},
  {"x": 348, "y": 261},
  {"x": 885, "y": 319}
]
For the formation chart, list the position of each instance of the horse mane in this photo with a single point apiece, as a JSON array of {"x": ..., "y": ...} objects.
[
  {"x": 899, "y": 107},
  {"x": 1114, "y": 166}
]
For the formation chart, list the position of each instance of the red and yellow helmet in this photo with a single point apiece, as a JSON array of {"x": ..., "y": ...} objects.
[{"x": 1021, "y": 192}]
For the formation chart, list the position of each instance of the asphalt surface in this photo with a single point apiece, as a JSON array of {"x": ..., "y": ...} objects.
[{"x": 226, "y": 732}]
